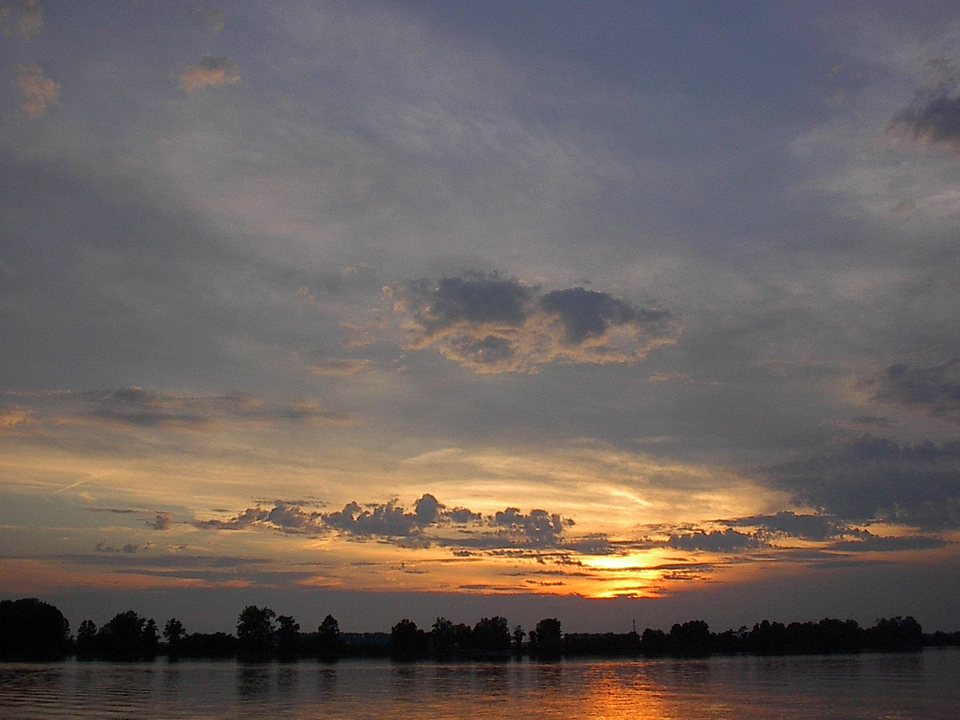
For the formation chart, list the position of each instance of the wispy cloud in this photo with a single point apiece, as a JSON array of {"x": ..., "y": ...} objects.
[
  {"x": 210, "y": 72},
  {"x": 494, "y": 324}
]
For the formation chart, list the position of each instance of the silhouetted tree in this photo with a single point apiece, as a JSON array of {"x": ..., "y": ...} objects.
[
  {"x": 208, "y": 645},
  {"x": 896, "y": 634},
  {"x": 288, "y": 636},
  {"x": 407, "y": 641},
  {"x": 491, "y": 636},
  {"x": 128, "y": 637},
  {"x": 601, "y": 643},
  {"x": 547, "y": 640},
  {"x": 32, "y": 629},
  {"x": 768, "y": 638},
  {"x": 653, "y": 643},
  {"x": 692, "y": 639},
  {"x": 443, "y": 638},
  {"x": 255, "y": 631},
  {"x": 518, "y": 635},
  {"x": 329, "y": 642},
  {"x": 173, "y": 632},
  {"x": 87, "y": 639}
]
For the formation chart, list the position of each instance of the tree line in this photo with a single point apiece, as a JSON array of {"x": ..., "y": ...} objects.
[{"x": 33, "y": 629}]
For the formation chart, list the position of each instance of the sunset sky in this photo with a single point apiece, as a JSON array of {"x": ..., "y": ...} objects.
[{"x": 603, "y": 311}]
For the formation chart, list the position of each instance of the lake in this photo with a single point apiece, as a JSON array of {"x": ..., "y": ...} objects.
[{"x": 889, "y": 686}]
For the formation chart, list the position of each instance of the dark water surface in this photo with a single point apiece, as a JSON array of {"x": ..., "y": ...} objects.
[{"x": 922, "y": 685}]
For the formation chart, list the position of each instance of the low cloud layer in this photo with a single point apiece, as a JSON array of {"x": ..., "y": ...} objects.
[
  {"x": 492, "y": 324},
  {"x": 210, "y": 72}
]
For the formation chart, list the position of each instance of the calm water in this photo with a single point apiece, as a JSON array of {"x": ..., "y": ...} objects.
[{"x": 925, "y": 685}]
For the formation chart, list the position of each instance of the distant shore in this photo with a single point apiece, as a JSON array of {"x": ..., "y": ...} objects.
[{"x": 33, "y": 629}]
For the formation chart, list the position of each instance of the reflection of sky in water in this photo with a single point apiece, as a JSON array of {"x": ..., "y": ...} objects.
[{"x": 747, "y": 688}]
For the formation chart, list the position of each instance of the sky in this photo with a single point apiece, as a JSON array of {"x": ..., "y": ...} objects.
[{"x": 612, "y": 312}]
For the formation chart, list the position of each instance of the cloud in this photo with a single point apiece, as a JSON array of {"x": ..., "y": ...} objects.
[
  {"x": 932, "y": 118},
  {"x": 160, "y": 522},
  {"x": 129, "y": 548},
  {"x": 138, "y": 407},
  {"x": 868, "y": 478},
  {"x": 22, "y": 18},
  {"x": 876, "y": 543},
  {"x": 934, "y": 389},
  {"x": 538, "y": 528},
  {"x": 429, "y": 522},
  {"x": 719, "y": 541},
  {"x": 339, "y": 368},
  {"x": 210, "y": 72},
  {"x": 865, "y": 423},
  {"x": 492, "y": 324},
  {"x": 804, "y": 526},
  {"x": 12, "y": 417},
  {"x": 288, "y": 518},
  {"x": 37, "y": 92}
]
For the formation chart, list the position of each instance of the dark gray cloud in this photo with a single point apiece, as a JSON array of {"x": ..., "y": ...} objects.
[
  {"x": 875, "y": 543},
  {"x": 391, "y": 521},
  {"x": 933, "y": 117},
  {"x": 282, "y": 516},
  {"x": 129, "y": 548},
  {"x": 588, "y": 314},
  {"x": 538, "y": 527},
  {"x": 804, "y": 526},
  {"x": 162, "y": 560},
  {"x": 161, "y": 521},
  {"x": 387, "y": 520},
  {"x": 493, "y": 324},
  {"x": 144, "y": 408},
  {"x": 720, "y": 541},
  {"x": 868, "y": 478},
  {"x": 472, "y": 299},
  {"x": 935, "y": 389},
  {"x": 137, "y": 406}
]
